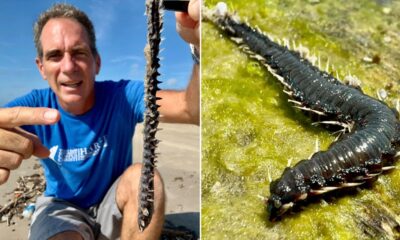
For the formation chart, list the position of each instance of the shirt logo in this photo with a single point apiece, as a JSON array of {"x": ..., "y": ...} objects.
[{"x": 61, "y": 156}]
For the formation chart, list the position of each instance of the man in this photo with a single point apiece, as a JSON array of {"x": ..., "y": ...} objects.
[{"x": 82, "y": 130}]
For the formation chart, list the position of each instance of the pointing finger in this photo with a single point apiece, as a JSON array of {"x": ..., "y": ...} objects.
[
  {"x": 4, "y": 174},
  {"x": 39, "y": 150},
  {"x": 18, "y": 116}
]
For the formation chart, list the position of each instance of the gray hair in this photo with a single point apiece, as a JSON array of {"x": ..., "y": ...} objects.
[{"x": 62, "y": 10}]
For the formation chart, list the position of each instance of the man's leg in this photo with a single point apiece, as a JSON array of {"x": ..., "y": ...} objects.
[
  {"x": 67, "y": 235},
  {"x": 58, "y": 219},
  {"x": 127, "y": 201}
]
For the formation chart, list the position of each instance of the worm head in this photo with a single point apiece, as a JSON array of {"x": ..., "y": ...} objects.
[
  {"x": 283, "y": 196},
  {"x": 274, "y": 205},
  {"x": 276, "y": 208}
]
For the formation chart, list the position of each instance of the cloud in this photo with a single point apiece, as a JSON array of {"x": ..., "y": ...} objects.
[
  {"x": 14, "y": 69},
  {"x": 130, "y": 58},
  {"x": 102, "y": 14},
  {"x": 171, "y": 82},
  {"x": 5, "y": 44},
  {"x": 136, "y": 71}
]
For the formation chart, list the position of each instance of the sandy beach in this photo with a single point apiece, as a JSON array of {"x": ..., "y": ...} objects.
[{"x": 179, "y": 164}]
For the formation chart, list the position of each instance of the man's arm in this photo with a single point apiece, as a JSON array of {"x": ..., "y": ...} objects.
[{"x": 184, "y": 106}]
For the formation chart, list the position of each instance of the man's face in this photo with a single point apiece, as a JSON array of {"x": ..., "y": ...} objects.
[{"x": 68, "y": 64}]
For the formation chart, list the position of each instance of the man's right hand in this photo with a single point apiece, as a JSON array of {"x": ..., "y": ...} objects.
[
  {"x": 188, "y": 24},
  {"x": 17, "y": 144}
]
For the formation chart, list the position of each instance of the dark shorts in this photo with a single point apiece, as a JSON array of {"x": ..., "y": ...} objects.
[{"x": 54, "y": 216}]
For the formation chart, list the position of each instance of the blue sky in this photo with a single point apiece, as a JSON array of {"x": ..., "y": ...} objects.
[{"x": 121, "y": 36}]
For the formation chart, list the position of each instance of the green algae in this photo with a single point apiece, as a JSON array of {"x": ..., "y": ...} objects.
[{"x": 250, "y": 131}]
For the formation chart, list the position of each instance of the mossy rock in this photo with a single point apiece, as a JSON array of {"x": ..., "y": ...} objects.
[{"x": 250, "y": 131}]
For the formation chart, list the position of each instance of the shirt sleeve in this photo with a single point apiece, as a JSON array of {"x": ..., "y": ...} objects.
[{"x": 134, "y": 91}]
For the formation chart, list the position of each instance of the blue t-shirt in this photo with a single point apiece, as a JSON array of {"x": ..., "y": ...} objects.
[{"x": 90, "y": 151}]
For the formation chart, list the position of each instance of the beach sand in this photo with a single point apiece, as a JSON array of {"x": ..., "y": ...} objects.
[{"x": 178, "y": 163}]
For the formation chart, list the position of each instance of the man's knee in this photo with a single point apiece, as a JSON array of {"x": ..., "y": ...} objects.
[
  {"x": 67, "y": 235},
  {"x": 128, "y": 187}
]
